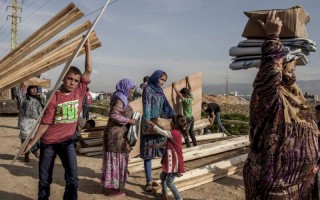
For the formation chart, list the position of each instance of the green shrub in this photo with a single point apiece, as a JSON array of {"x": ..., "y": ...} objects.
[
  {"x": 235, "y": 116},
  {"x": 99, "y": 110}
]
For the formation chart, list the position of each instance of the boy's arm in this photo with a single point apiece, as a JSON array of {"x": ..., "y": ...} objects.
[
  {"x": 40, "y": 131},
  {"x": 178, "y": 93},
  {"x": 88, "y": 61},
  {"x": 188, "y": 83}
]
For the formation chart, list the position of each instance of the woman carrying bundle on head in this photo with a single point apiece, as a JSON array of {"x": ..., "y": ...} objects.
[{"x": 283, "y": 155}]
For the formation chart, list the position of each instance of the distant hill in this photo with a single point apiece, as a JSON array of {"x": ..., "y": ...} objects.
[{"x": 312, "y": 87}]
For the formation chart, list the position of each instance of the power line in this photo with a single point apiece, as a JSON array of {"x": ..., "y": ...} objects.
[
  {"x": 28, "y": 5},
  {"x": 99, "y": 9},
  {"x": 27, "y": 17}
]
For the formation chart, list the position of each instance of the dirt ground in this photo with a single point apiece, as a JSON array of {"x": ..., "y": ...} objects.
[{"x": 20, "y": 180}]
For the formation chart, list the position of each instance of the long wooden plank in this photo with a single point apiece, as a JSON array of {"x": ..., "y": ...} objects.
[
  {"x": 57, "y": 85},
  {"x": 38, "y": 82},
  {"x": 18, "y": 66},
  {"x": 95, "y": 139},
  {"x": 50, "y": 61},
  {"x": 51, "y": 64},
  {"x": 156, "y": 163},
  {"x": 33, "y": 66},
  {"x": 195, "y": 81},
  {"x": 206, "y": 174},
  {"x": 49, "y": 34},
  {"x": 207, "y": 178},
  {"x": 63, "y": 19},
  {"x": 211, "y": 168},
  {"x": 195, "y": 148},
  {"x": 95, "y": 153}
]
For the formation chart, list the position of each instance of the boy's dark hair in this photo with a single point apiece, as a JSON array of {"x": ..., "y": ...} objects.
[
  {"x": 177, "y": 118},
  {"x": 185, "y": 91},
  {"x": 74, "y": 70},
  {"x": 92, "y": 123},
  {"x": 204, "y": 104},
  {"x": 145, "y": 79},
  {"x": 317, "y": 108}
]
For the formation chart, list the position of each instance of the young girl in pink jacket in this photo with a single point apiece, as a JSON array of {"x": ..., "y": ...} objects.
[{"x": 172, "y": 160}]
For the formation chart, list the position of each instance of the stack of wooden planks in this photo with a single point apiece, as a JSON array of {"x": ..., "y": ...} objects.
[
  {"x": 193, "y": 153},
  {"x": 23, "y": 63},
  {"x": 206, "y": 174},
  {"x": 93, "y": 137}
]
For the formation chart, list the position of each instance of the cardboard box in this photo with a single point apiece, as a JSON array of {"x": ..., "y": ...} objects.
[{"x": 294, "y": 22}]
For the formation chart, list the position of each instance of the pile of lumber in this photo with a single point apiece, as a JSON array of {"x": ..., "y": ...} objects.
[
  {"x": 206, "y": 174},
  {"x": 93, "y": 137},
  {"x": 193, "y": 153},
  {"x": 27, "y": 60}
]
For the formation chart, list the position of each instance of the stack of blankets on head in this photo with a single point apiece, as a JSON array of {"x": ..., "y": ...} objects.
[{"x": 293, "y": 35}]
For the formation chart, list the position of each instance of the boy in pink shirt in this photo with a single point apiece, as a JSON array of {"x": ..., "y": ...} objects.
[{"x": 57, "y": 128}]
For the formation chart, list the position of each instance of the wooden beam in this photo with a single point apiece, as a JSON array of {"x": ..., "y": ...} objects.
[
  {"x": 90, "y": 149},
  {"x": 67, "y": 66},
  {"x": 206, "y": 174},
  {"x": 48, "y": 49},
  {"x": 139, "y": 161},
  {"x": 38, "y": 82},
  {"x": 201, "y": 180},
  {"x": 94, "y": 153},
  {"x": 48, "y": 62},
  {"x": 156, "y": 163},
  {"x": 60, "y": 21}
]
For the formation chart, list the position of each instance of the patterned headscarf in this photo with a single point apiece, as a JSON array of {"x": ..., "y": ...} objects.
[
  {"x": 154, "y": 80},
  {"x": 122, "y": 91}
]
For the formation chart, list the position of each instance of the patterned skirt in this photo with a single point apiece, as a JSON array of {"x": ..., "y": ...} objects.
[
  {"x": 114, "y": 170},
  {"x": 148, "y": 140},
  {"x": 25, "y": 127}
]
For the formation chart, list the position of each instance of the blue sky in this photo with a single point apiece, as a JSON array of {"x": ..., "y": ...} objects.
[{"x": 178, "y": 36}]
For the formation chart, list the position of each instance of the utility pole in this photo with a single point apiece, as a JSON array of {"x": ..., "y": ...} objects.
[
  {"x": 227, "y": 85},
  {"x": 14, "y": 23}
]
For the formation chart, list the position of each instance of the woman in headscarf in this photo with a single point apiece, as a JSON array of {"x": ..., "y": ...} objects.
[
  {"x": 155, "y": 104},
  {"x": 116, "y": 147},
  {"x": 283, "y": 153},
  {"x": 31, "y": 106}
]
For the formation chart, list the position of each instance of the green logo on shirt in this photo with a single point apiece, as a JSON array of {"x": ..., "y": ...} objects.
[{"x": 67, "y": 112}]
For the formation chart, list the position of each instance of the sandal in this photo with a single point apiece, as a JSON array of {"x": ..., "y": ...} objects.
[{"x": 148, "y": 187}]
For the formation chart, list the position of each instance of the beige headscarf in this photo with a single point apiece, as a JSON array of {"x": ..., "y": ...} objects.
[{"x": 293, "y": 101}]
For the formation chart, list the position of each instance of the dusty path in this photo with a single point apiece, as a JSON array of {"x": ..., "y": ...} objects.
[{"x": 19, "y": 181}]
